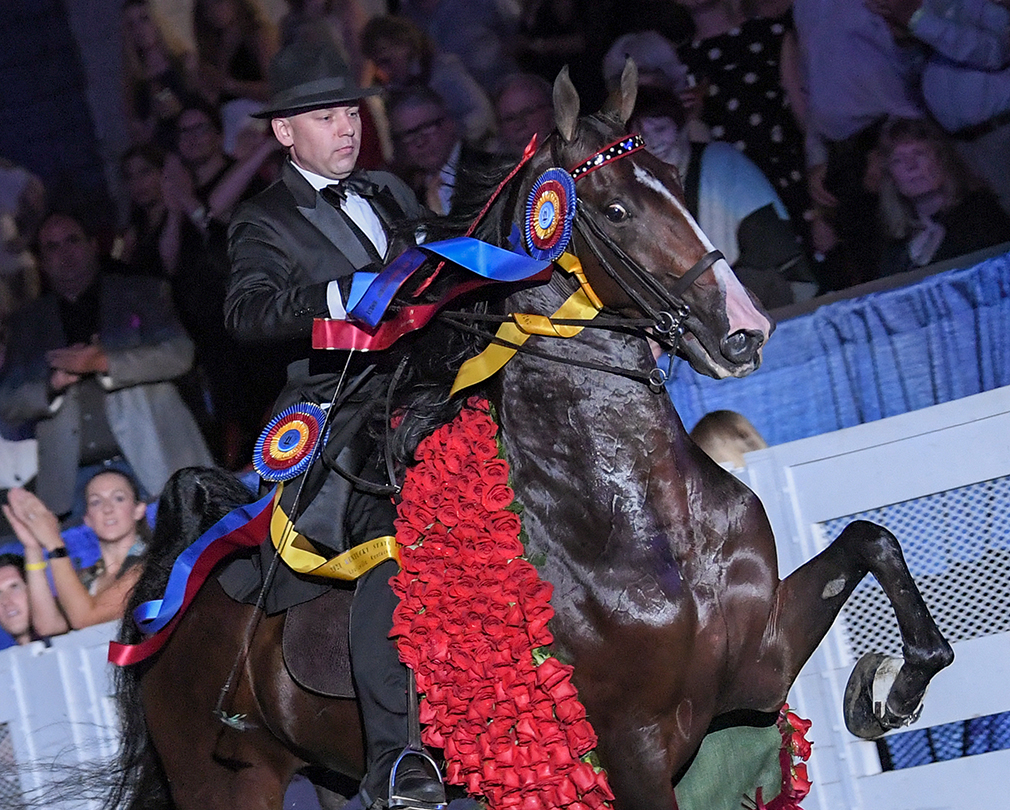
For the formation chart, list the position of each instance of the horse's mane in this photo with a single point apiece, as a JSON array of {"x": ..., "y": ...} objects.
[
  {"x": 436, "y": 353},
  {"x": 193, "y": 500}
]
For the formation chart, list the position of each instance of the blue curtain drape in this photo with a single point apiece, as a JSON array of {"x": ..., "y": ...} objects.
[{"x": 862, "y": 359}]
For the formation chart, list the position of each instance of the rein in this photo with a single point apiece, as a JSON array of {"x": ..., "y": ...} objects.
[{"x": 666, "y": 323}]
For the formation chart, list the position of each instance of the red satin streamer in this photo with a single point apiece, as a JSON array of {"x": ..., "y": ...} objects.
[
  {"x": 334, "y": 334},
  {"x": 248, "y": 535}
]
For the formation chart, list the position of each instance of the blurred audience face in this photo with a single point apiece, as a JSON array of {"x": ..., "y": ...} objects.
[
  {"x": 143, "y": 181},
  {"x": 199, "y": 139},
  {"x": 916, "y": 169},
  {"x": 324, "y": 141},
  {"x": 661, "y": 134},
  {"x": 139, "y": 27},
  {"x": 14, "y": 615},
  {"x": 394, "y": 60},
  {"x": 523, "y": 110},
  {"x": 113, "y": 508},
  {"x": 424, "y": 135},
  {"x": 69, "y": 258},
  {"x": 220, "y": 13}
]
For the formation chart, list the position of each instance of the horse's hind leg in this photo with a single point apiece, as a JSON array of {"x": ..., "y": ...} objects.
[{"x": 809, "y": 599}]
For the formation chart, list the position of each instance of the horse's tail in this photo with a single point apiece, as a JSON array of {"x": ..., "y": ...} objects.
[{"x": 193, "y": 500}]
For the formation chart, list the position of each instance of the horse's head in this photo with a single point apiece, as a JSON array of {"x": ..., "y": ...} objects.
[{"x": 639, "y": 245}]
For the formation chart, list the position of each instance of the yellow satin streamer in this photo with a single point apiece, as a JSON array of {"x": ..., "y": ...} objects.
[
  {"x": 300, "y": 555},
  {"x": 582, "y": 304}
]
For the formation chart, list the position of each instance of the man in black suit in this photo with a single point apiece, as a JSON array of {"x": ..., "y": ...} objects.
[{"x": 294, "y": 250}]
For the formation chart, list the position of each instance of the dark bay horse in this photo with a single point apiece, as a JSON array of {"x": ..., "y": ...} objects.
[{"x": 664, "y": 569}]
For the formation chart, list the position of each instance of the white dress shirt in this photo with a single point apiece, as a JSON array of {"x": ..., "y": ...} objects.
[{"x": 364, "y": 216}]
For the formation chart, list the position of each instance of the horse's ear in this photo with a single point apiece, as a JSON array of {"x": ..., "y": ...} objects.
[
  {"x": 566, "y": 105},
  {"x": 629, "y": 89}
]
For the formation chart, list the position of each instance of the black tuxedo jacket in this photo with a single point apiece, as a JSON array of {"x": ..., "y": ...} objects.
[{"x": 285, "y": 246}]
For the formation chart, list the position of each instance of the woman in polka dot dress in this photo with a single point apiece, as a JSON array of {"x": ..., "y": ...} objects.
[{"x": 749, "y": 75}]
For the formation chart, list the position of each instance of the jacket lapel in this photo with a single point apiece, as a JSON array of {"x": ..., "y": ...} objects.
[{"x": 324, "y": 217}]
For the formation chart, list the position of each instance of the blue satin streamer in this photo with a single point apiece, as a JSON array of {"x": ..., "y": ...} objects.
[
  {"x": 375, "y": 300},
  {"x": 153, "y": 615},
  {"x": 471, "y": 254},
  {"x": 360, "y": 282}
]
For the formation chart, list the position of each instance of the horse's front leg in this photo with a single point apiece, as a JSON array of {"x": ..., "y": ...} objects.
[{"x": 808, "y": 601}]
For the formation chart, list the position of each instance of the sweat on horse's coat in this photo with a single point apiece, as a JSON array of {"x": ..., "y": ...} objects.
[{"x": 659, "y": 558}]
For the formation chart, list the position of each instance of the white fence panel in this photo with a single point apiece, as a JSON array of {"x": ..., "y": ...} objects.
[
  {"x": 939, "y": 478},
  {"x": 57, "y": 713}
]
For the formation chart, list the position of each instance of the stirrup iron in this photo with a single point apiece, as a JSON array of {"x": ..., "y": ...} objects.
[{"x": 415, "y": 754}]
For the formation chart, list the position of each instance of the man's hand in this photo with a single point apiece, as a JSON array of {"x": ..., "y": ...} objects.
[
  {"x": 896, "y": 12},
  {"x": 79, "y": 359},
  {"x": 60, "y": 380}
]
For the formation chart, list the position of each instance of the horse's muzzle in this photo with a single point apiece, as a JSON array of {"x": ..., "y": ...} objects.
[{"x": 742, "y": 347}]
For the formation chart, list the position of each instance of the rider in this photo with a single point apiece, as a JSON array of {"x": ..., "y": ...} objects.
[{"x": 294, "y": 250}]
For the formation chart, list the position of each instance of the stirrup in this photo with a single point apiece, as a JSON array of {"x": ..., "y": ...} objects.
[
  {"x": 401, "y": 798},
  {"x": 429, "y": 780}
]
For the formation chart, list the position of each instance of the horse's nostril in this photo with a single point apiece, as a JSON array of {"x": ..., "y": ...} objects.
[{"x": 742, "y": 346}]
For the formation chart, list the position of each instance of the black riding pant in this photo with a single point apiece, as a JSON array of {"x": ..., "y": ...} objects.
[{"x": 379, "y": 677}]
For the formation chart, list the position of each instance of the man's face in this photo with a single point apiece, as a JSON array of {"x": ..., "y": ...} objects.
[
  {"x": 69, "y": 259},
  {"x": 324, "y": 141},
  {"x": 522, "y": 112},
  {"x": 14, "y": 616},
  {"x": 199, "y": 140},
  {"x": 143, "y": 181},
  {"x": 424, "y": 135}
]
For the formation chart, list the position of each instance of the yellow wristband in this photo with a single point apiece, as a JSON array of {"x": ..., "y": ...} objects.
[{"x": 39, "y": 566}]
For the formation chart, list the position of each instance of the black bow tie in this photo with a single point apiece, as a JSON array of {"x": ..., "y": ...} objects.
[{"x": 355, "y": 183}]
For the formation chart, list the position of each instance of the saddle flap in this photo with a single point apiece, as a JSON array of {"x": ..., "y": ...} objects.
[{"x": 316, "y": 645}]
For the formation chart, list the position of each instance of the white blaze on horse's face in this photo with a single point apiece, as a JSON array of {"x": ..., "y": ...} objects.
[{"x": 741, "y": 314}]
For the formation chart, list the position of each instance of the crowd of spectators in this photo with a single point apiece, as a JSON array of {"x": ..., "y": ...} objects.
[{"x": 821, "y": 143}]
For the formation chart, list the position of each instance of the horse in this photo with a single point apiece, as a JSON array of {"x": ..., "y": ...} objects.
[{"x": 666, "y": 594}]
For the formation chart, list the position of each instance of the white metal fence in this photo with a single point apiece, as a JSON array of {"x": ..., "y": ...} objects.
[{"x": 939, "y": 478}]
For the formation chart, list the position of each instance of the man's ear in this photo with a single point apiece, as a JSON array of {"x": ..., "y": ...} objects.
[{"x": 282, "y": 131}]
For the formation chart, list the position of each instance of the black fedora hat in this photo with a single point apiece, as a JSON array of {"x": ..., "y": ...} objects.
[{"x": 308, "y": 76}]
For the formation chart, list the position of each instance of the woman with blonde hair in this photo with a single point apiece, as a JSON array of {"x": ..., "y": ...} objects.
[
  {"x": 725, "y": 436},
  {"x": 234, "y": 44},
  {"x": 158, "y": 73},
  {"x": 932, "y": 207},
  {"x": 96, "y": 594}
]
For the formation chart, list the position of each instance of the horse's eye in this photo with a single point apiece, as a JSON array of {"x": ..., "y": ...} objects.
[{"x": 616, "y": 212}]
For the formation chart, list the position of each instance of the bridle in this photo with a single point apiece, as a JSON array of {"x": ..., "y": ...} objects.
[
  {"x": 663, "y": 323},
  {"x": 669, "y": 319},
  {"x": 664, "y": 320}
]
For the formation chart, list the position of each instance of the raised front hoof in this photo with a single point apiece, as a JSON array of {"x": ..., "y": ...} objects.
[{"x": 865, "y": 703}]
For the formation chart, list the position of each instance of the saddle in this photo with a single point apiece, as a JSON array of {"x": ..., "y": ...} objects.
[{"x": 315, "y": 643}]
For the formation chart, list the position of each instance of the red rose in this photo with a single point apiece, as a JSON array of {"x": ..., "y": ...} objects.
[
  {"x": 799, "y": 785},
  {"x": 483, "y": 448},
  {"x": 415, "y": 514},
  {"x": 581, "y": 736},
  {"x": 497, "y": 496},
  {"x": 496, "y": 471},
  {"x": 473, "y": 489},
  {"x": 455, "y": 457}
]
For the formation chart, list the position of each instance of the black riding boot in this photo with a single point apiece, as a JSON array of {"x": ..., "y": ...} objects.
[{"x": 381, "y": 683}]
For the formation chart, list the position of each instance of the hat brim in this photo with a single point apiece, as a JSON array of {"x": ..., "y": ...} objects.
[{"x": 287, "y": 104}]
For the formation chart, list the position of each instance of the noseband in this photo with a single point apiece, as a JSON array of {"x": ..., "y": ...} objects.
[{"x": 669, "y": 319}]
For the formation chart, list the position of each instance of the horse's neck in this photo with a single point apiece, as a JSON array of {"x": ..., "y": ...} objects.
[{"x": 592, "y": 438}]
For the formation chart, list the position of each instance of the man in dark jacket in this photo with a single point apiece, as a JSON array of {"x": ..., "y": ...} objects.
[{"x": 296, "y": 250}]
